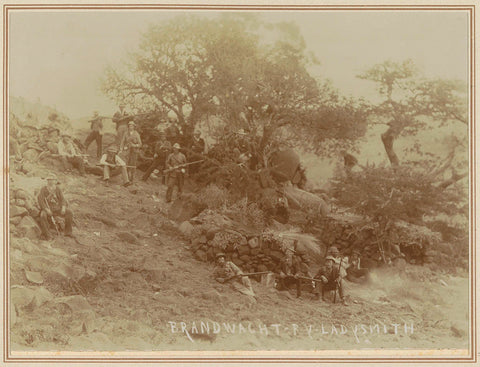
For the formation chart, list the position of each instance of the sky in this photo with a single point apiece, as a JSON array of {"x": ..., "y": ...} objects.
[{"x": 58, "y": 57}]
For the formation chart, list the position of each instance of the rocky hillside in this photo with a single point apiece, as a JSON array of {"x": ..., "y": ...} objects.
[{"x": 134, "y": 278}]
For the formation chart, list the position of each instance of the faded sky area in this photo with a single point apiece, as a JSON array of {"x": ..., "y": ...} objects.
[{"x": 59, "y": 57}]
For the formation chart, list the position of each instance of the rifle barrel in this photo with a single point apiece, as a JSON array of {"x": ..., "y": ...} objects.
[{"x": 114, "y": 165}]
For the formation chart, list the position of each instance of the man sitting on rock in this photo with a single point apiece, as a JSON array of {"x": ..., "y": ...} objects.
[
  {"x": 355, "y": 273},
  {"x": 52, "y": 203},
  {"x": 331, "y": 280},
  {"x": 110, "y": 160},
  {"x": 227, "y": 271},
  {"x": 68, "y": 154},
  {"x": 290, "y": 269}
]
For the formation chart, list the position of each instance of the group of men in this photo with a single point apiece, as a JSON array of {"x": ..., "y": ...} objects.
[
  {"x": 293, "y": 271},
  {"x": 128, "y": 144}
]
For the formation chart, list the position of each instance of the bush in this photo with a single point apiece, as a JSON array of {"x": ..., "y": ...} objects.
[
  {"x": 213, "y": 197},
  {"x": 248, "y": 213}
]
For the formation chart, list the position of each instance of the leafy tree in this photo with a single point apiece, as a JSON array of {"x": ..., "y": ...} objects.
[
  {"x": 250, "y": 74},
  {"x": 411, "y": 103}
]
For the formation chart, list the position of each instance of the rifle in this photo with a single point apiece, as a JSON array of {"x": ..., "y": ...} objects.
[
  {"x": 52, "y": 217},
  {"x": 246, "y": 275},
  {"x": 181, "y": 166},
  {"x": 339, "y": 275},
  {"x": 76, "y": 155},
  {"x": 113, "y": 165},
  {"x": 307, "y": 278}
]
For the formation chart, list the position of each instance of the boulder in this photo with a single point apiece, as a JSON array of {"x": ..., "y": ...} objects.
[
  {"x": 255, "y": 251},
  {"x": 17, "y": 211},
  {"x": 243, "y": 250},
  {"x": 253, "y": 242},
  {"x": 21, "y": 195},
  {"x": 201, "y": 255},
  {"x": 15, "y": 221},
  {"x": 30, "y": 155},
  {"x": 245, "y": 258},
  {"x": 186, "y": 228},
  {"x": 34, "y": 277},
  {"x": 210, "y": 235},
  {"x": 277, "y": 255},
  {"x": 22, "y": 297},
  {"x": 20, "y": 202},
  {"x": 28, "y": 228},
  {"x": 77, "y": 304},
  {"x": 128, "y": 237}
]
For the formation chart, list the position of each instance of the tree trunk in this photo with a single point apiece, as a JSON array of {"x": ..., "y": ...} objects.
[{"x": 388, "y": 138}]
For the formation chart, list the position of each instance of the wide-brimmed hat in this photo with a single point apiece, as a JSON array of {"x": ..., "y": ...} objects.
[
  {"x": 220, "y": 254},
  {"x": 333, "y": 250},
  {"x": 131, "y": 123},
  {"x": 52, "y": 176},
  {"x": 176, "y": 145},
  {"x": 112, "y": 148}
]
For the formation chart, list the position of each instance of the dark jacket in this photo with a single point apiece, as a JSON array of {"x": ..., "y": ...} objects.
[{"x": 55, "y": 200}]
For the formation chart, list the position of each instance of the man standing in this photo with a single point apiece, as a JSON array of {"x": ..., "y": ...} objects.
[
  {"x": 111, "y": 160},
  {"x": 52, "y": 203},
  {"x": 175, "y": 173},
  {"x": 197, "y": 148},
  {"x": 162, "y": 150},
  {"x": 96, "y": 133},
  {"x": 331, "y": 280},
  {"x": 131, "y": 142},
  {"x": 120, "y": 118},
  {"x": 227, "y": 271},
  {"x": 68, "y": 154}
]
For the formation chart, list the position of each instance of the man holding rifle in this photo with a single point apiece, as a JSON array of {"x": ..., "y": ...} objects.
[
  {"x": 121, "y": 119},
  {"x": 176, "y": 173},
  {"x": 52, "y": 203},
  {"x": 227, "y": 271},
  {"x": 110, "y": 160},
  {"x": 162, "y": 149},
  {"x": 96, "y": 133},
  {"x": 131, "y": 143},
  {"x": 330, "y": 279}
]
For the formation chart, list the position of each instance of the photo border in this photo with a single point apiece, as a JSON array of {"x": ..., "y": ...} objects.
[{"x": 236, "y": 356}]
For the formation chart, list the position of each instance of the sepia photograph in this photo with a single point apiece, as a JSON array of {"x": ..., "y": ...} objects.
[{"x": 235, "y": 183}]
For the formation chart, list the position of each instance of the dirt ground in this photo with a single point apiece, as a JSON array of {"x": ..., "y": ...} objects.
[{"x": 130, "y": 281}]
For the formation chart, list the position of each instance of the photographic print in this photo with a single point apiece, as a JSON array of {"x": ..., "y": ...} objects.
[{"x": 215, "y": 183}]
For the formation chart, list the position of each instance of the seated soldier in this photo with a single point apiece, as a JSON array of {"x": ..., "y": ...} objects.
[
  {"x": 290, "y": 269},
  {"x": 331, "y": 280},
  {"x": 52, "y": 203},
  {"x": 111, "y": 160},
  {"x": 227, "y": 271},
  {"x": 355, "y": 273},
  {"x": 69, "y": 154}
]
